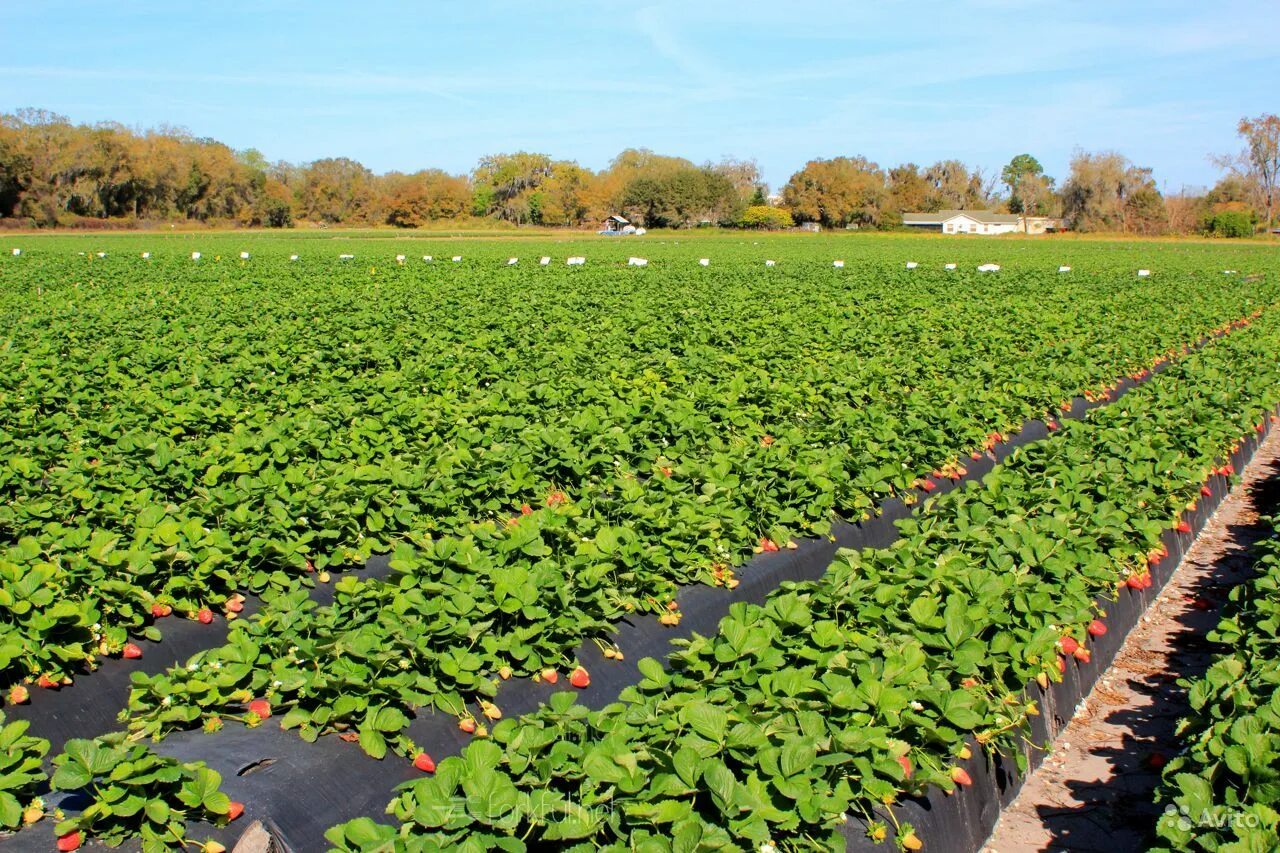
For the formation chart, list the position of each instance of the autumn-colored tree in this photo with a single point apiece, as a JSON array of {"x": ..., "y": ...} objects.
[
  {"x": 908, "y": 190},
  {"x": 1105, "y": 192},
  {"x": 1262, "y": 157},
  {"x": 428, "y": 196},
  {"x": 838, "y": 193},
  {"x": 953, "y": 187}
]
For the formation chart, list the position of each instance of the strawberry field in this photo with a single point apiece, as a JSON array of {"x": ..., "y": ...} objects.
[{"x": 365, "y": 496}]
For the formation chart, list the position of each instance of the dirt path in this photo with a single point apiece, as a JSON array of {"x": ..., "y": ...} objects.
[{"x": 1094, "y": 793}]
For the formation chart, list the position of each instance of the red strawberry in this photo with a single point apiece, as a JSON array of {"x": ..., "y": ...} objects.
[
  {"x": 424, "y": 763},
  {"x": 580, "y": 678},
  {"x": 550, "y": 676},
  {"x": 929, "y": 485},
  {"x": 960, "y": 777},
  {"x": 1206, "y": 491},
  {"x": 131, "y": 651},
  {"x": 261, "y": 707},
  {"x": 205, "y": 616},
  {"x": 159, "y": 611},
  {"x": 975, "y": 455},
  {"x": 69, "y": 842},
  {"x": 768, "y": 544},
  {"x": 1068, "y": 645},
  {"x": 235, "y": 604},
  {"x": 234, "y": 810},
  {"x": 1053, "y": 425},
  {"x": 1229, "y": 469},
  {"x": 1134, "y": 582},
  {"x": 525, "y": 509},
  {"x": 19, "y": 694},
  {"x": 556, "y": 498},
  {"x": 468, "y": 725},
  {"x": 1082, "y": 654},
  {"x": 1062, "y": 665},
  {"x": 1097, "y": 628},
  {"x": 1183, "y": 527},
  {"x": 906, "y": 765},
  {"x": 1156, "y": 760},
  {"x": 47, "y": 682}
]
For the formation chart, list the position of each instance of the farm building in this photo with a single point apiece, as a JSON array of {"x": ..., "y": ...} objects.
[
  {"x": 978, "y": 222},
  {"x": 615, "y": 223}
]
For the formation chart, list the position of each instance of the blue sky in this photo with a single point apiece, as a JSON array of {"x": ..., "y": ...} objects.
[{"x": 409, "y": 85}]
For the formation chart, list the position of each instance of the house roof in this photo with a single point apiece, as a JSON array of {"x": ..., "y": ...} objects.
[
  {"x": 617, "y": 218},
  {"x": 941, "y": 216}
]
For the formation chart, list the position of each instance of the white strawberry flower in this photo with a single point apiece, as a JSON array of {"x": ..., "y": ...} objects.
[
  {"x": 166, "y": 701},
  {"x": 193, "y": 667},
  {"x": 768, "y": 848},
  {"x": 277, "y": 683},
  {"x": 216, "y": 665},
  {"x": 916, "y": 706}
]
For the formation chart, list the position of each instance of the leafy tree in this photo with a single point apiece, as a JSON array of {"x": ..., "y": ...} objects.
[
  {"x": 908, "y": 189},
  {"x": 838, "y": 193},
  {"x": 1030, "y": 190},
  {"x": 1105, "y": 192},
  {"x": 953, "y": 187},
  {"x": 335, "y": 190},
  {"x": 1262, "y": 156},
  {"x": 428, "y": 196}
]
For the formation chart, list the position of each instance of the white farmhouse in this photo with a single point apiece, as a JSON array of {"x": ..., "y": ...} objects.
[{"x": 978, "y": 222}]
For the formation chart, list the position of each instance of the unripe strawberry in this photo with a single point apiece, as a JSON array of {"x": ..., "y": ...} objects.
[
  {"x": 550, "y": 675},
  {"x": 468, "y": 725},
  {"x": 911, "y": 842},
  {"x": 960, "y": 777},
  {"x": 19, "y": 694}
]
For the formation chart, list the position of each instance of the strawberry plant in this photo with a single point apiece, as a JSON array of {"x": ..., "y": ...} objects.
[
  {"x": 1223, "y": 791},
  {"x": 135, "y": 794},
  {"x": 21, "y": 774}
]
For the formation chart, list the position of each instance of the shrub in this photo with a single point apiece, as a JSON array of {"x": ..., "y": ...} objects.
[
  {"x": 1230, "y": 223},
  {"x": 763, "y": 216}
]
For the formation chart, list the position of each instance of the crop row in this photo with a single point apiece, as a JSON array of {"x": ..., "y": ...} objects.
[
  {"x": 1223, "y": 792},
  {"x": 837, "y": 698},
  {"x": 511, "y": 596},
  {"x": 172, "y": 444}
]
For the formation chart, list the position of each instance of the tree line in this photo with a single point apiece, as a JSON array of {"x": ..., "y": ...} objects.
[{"x": 57, "y": 173}]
